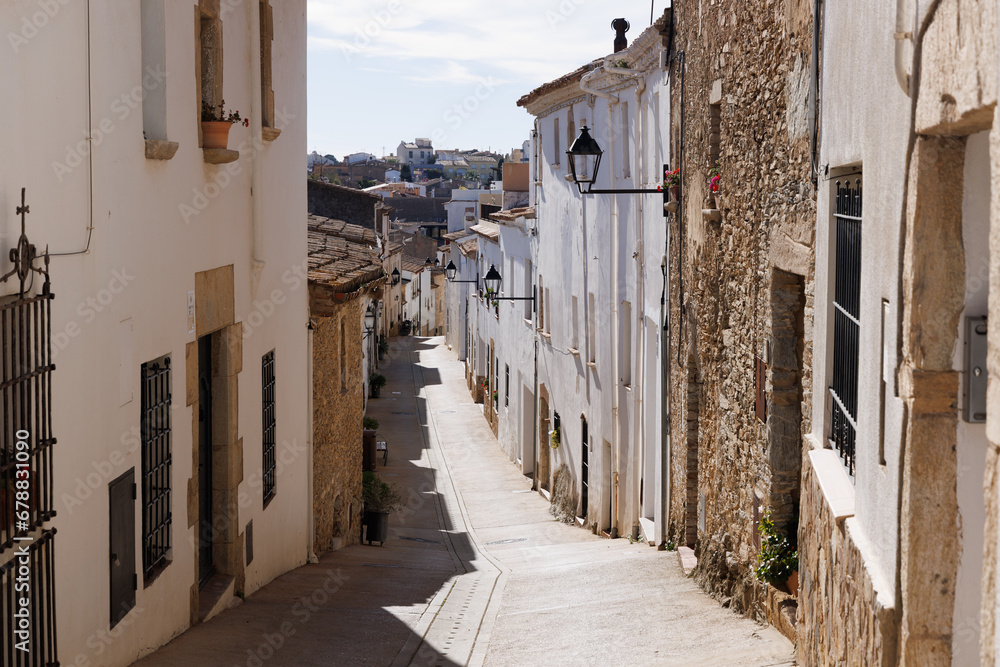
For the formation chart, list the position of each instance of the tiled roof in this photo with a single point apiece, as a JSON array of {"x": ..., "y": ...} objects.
[
  {"x": 513, "y": 214},
  {"x": 454, "y": 236},
  {"x": 412, "y": 266},
  {"x": 342, "y": 257},
  {"x": 487, "y": 230},
  {"x": 469, "y": 247},
  {"x": 572, "y": 77},
  {"x": 392, "y": 247}
]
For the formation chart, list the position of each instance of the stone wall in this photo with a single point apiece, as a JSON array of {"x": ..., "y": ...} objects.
[
  {"x": 745, "y": 86},
  {"x": 338, "y": 406},
  {"x": 841, "y": 620}
]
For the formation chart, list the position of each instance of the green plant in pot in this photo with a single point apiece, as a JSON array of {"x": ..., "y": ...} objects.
[
  {"x": 383, "y": 347},
  {"x": 376, "y": 381},
  {"x": 778, "y": 560},
  {"x": 369, "y": 424},
  {"x": 380, "y": 499}
]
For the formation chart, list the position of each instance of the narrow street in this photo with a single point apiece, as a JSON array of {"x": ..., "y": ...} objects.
[{"x": 475, "y": 570}]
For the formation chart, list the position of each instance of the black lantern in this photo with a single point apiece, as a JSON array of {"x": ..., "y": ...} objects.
[
  {"x": 492, "y": 281},
  {"x": 450, "y": 271},
  {"x": 584, "y": 160},
  {"x": 370, "y": 318},
  {"x": 395, "y": 276}
]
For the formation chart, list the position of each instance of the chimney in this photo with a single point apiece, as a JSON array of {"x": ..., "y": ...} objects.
[{"x": 620, "y": 27}]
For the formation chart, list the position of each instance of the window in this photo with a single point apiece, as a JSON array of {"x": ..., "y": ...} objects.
[
  {"x": 625, "y": 361},
  {"x": 154, "y": 430},
  {"x": 268, "y": 418},
  {"x": 570, "y": 129},
  {"x": 541, "y": 305},
  {"x": 154, "y": 68},
  {"x": 626, "y": 155},
  {"x": 209, "y": 44},
  {"x": 846, "y": 319},
  {"x": 555, "y": 141},
  {"x": 548, "y": 312},
  {"x": 714, "y": 133},
  {"x": 591, "y": 329},
  {"x": 266, "y": 37},
  {"x": 576, "y": 324},
  {"x": 411, "y": 154},
  {"x": 528, "y": 289},
  {"x": 506, "y": 390}
]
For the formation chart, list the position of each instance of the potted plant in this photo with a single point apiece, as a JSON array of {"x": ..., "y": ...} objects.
[
  {"x": 672, "y": 183},
  {"x": 215, "y": 124},
  {"x": 778, "y": 560},
  {"x": 377, "y": 381},
  {"x": 369, "y": 424},
  {"x": 383, "y": 347},
  {"x": 555, "y": 437},
  {"x": 380, "y": 499}
]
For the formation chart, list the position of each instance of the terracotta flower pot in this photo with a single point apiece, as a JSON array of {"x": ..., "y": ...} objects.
[
  {"x": 675, "y": 193},
  {"x": 792, "y": 583},
  {"x": 215, "y": 134}
]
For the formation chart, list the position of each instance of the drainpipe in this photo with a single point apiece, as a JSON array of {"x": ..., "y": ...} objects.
[
  {"x": 615, "y": 342},
  {"x": 585, "y": 87},
  {"x": 899, "y": 37},
  {"x": 665, "y": 391},
  {"x": 639, "y": 439},
  {"x": 256, "y": 169},
  {"x": 813, "y": 112}
]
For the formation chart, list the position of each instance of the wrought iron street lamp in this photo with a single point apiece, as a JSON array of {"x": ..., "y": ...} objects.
[
  {"x": 493, "y": 280},
  {"x": 585, "y": 161},
  {"x": 451, "y": 271},
  {"x": 369, "y": 320},
  {"x": 395, "y": 276}
]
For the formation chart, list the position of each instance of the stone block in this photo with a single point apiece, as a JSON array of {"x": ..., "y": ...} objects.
[{"x": 214, "y": 299}]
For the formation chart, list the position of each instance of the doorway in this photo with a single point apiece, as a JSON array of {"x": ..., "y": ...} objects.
[
  {"x": 205, "y": 565},
  {"x": 584, "y": 468}
]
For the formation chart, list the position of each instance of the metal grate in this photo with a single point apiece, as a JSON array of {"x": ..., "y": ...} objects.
[
  {"x": 28, "y": 604},
  {"x": 25, "y": 405},
  {"x": 156, "y": 465},
  {"x": 267, "y": 410},
  {"x": 846, "y": 321}
]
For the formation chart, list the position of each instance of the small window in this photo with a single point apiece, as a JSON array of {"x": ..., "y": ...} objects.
[
  {"x": 154, "y": 69},
  {"x": 570, "y": 129},
  {"x": 268, "y": 421},
  {"x": 209, "y": 44},
  {"x": 625, "y": 361},
  {"x": 591, "y": 329},
  {"x": 154, "y": 428},
  {"x": 411, "y": 154},
  {"x": 266, "y": 38},
  {"x": 506, "y": 391},
  {"x": 555, "y": 141},
  {"x": 626, "y": 155}
]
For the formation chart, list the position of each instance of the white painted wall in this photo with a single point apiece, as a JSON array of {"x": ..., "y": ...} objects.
[
  {"x": 140, "y": 231},
  {"x": 863, "y": 127}
]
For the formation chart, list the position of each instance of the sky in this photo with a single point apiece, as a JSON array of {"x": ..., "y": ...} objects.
[{"x": 384, "y": 71}]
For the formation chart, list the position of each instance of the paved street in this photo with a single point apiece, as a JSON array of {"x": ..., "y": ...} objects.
[{"x": 475, "y": 570}]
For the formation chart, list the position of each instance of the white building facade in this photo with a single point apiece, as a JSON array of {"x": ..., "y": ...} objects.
[{"x": 180, "y": 472}]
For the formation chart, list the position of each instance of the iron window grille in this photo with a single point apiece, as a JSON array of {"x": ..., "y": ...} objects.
[
  {"x": 846, "y": 321},
  {"x": 268, "y": 417},
  {"x": 34, "y": 592},
  {"x": 156, "y": 465}
]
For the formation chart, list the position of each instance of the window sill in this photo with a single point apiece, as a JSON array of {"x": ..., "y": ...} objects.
[
  {"x": 269, "y": 133},
  {"x": 592, "y": 364},
  {"x": 575, "y": 352},
  {"x": 546, "y": 336},
  {"x": 220, "y": 155},
  {"x": 158, "y": 149},
  {"x": 834, "y": 482}
]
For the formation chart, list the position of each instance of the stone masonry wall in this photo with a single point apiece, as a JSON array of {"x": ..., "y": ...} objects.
[
  {"x": 338, "y": 406},
  {"x": 841, "y": 620},
  {"x": 745, "y": 66}
]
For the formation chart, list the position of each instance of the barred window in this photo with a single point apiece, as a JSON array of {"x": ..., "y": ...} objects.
[
  {"x": 267, "y": 412},
  {"x": 846, "y": 320},
  {"x": 156, "y": 465}
]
